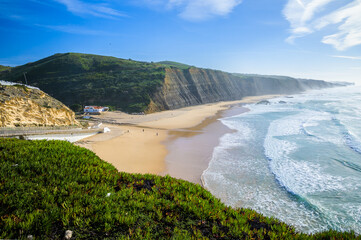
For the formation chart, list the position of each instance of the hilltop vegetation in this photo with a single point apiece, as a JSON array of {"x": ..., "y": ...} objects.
[
  {"x": 48, "y": 187},
  {"x": 175, "y": 64},
  {"x": 86, "y": 79},
  {"x": 2, "y": 68}
]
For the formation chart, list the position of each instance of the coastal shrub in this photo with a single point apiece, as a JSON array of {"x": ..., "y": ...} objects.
[
  {"x": 48, "y": 187},
  {"x": 76, "y": 108},
  {"x": 85, "y": 79}
]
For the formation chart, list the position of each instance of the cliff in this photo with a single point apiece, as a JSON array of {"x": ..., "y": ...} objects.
[
  {"x": 134, "y": 86},
  {"x": 23, "y": 106},
  {"x": 192, "y": 86}
]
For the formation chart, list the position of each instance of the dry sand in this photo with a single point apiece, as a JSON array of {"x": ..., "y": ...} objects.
[{"x": 175, "y": 142}]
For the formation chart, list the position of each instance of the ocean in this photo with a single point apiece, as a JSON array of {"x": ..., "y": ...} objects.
[{"x": 297, "y": 159}]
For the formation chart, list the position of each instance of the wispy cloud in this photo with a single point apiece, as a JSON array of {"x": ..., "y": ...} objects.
[
  {"x": 197, "y": 10},
  {"x": 308, "y": 16},
  {"x": 348, "y": 57},
  {"x": 74, "y": 29},
  {"x": 204, "y": 9},
  {"x": 98, "y": 10}
]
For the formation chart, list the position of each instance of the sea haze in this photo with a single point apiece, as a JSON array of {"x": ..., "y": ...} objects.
[{"x": 297, "y": 159}]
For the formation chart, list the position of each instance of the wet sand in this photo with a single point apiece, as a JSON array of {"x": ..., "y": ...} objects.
[
  {"x": 190, "y": 151},
  {"x": 177, "y": 142}
]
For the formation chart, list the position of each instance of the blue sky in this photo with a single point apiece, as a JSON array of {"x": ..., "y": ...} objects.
[{"x": 318, "y": 39}]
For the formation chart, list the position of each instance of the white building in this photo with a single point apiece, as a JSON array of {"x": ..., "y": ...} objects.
[{"x": 95, "y": 109}]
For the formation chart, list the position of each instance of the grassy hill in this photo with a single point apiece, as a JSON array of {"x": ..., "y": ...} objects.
[
  {"x": 86, "y": 79},
  {"x": 132, "y": 86},
  {"x": 175, "y": 64},
  {"x": 2, "y": 68},
  {"x": 49, "y": 187}
]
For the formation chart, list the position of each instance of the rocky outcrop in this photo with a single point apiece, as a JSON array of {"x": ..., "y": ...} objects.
[
  {"x": 193, "y": 86},
  {"x": 23, "y": 106}
]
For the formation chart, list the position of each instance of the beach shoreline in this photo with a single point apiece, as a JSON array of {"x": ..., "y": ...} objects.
[
  {"x": 177, "y": 142},
  {"x": 191, "y": 150}
]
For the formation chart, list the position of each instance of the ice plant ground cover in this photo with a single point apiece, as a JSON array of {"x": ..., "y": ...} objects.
[{"x": 49, "y": 187}]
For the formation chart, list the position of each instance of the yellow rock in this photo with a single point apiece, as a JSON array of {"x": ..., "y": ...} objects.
[{"x": 22, "y": 106}]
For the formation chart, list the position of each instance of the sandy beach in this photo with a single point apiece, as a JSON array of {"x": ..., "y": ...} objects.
[{"x": 176, "y": 142}]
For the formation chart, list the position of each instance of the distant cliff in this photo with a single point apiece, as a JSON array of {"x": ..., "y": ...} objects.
[
  {"x": 23, "y": 106},
  {"x": 192, "y": 86},
  {"x": 133, "y": 86}
]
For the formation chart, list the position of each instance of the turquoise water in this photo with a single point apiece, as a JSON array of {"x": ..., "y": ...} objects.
[{"x": 297, "y": 159}]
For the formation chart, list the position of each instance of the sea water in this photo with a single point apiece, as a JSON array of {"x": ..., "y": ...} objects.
[{"x": 297, "y": 159}]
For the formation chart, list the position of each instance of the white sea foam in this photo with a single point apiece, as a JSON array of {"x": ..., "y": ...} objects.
[
  {"x": 297, "y": 147},
  {"x": 299, "y": 177},
  {"x": 244, "y": 133},
  {"x": 352, "y": 131}
]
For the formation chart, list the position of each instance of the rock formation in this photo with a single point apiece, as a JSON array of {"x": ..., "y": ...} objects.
[
  {"x": 23, "y": 106},
  {"x": 187, "y": 87}
]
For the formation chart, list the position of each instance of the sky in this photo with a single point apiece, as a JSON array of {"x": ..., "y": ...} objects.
[{"x": 318, "y": 39}]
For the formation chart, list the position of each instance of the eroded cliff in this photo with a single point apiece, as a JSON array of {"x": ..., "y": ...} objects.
[
  {"x": 133, "y": 86},
  {"x": 187, "y": 87},
  {"x": 23, "y": 106}
]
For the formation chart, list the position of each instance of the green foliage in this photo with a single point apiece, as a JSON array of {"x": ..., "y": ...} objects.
[
  {"x": 48, "y": 187},
  {"x": 76, "y": 107},
  {"x": 111, "y": 108},
  {"x": 2, "y": 68},
  {"x": 175, "y": 64},
  {"x": 86, "y": 79}
]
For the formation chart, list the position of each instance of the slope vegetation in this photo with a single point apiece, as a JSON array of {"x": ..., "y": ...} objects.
[
  {"x": 88, "y": 79},
  {"x": 175, "y": 64},
  {"x": 49, "y": 187},
  {"x": 2, "y": 68},
  {"x": 133, "y": 86}
]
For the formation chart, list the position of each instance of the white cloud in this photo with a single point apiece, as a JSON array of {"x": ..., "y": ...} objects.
[
  {"x": 197, "y": 10},
  {"x": 308, "y": 16},
  {"x": 98, "y": 10},
  {"x": 203, "y": 9},
  {"x": 74, "y": 30},
  {"x": 348, "y": 57}
]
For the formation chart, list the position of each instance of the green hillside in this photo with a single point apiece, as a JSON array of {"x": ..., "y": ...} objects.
[
  {"x": 248, "y": 75},
  {"x": 86, "y": 79},
  {"x": 132, "y": 86},
  {"x": 175, "y": 64},
  {"x": 49, "y": 187},
  {"x": 2, "y": 68}
]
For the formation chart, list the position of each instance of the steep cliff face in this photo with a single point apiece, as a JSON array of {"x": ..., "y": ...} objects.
[
  {"x": 22, "y": 106},
  {"x": 134, "y": 86},
  {"x": 194, "y": 86}
]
